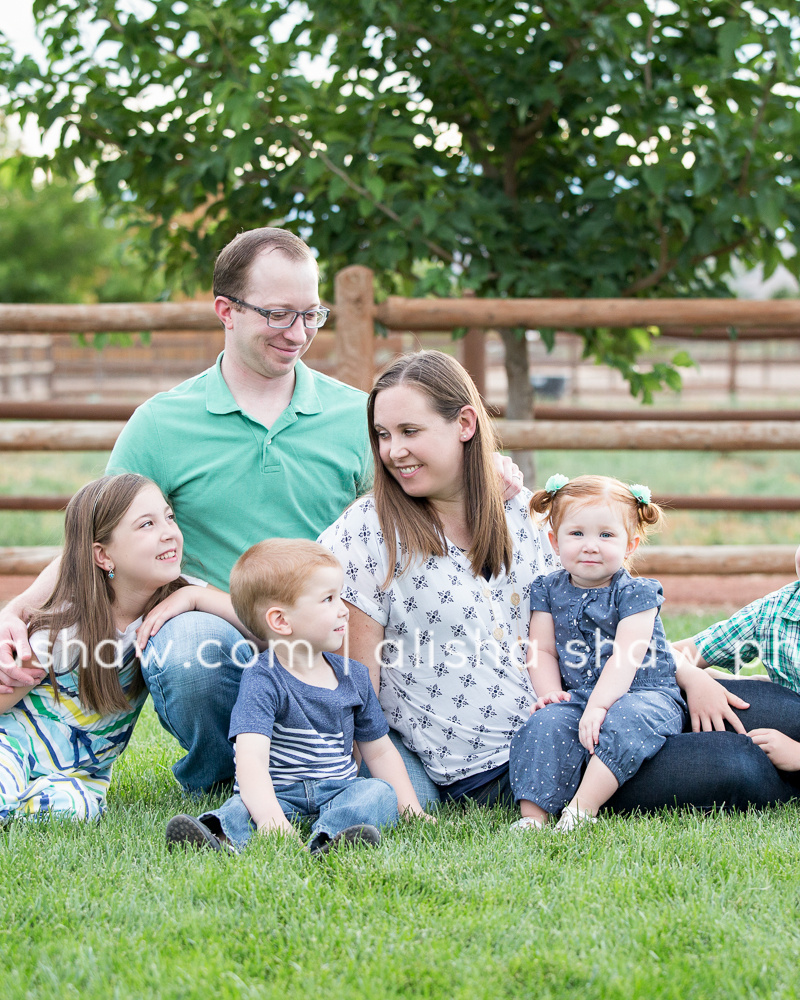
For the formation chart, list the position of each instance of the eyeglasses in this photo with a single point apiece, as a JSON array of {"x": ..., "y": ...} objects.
[{"x": 282, "y": 319}]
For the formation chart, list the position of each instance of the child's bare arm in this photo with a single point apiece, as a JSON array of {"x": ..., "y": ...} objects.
[
  {"x": 8, "y": 701},
  {"x": 687, "y": 648},
  {"x": 631, "y": 645},
  {"x": 383, "y": 761},
  {"x": 543, "y": 660},
  {"x": 192, "y": 598},
  {"x": 255, "y": 784},
  {"x": 710, "y": 704}
]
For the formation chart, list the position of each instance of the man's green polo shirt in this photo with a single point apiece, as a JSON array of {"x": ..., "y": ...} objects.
[{"x": 231, "y": 480}]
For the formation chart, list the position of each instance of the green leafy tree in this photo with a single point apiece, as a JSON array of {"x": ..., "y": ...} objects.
[
  {"x": 55, "y": 247},
  {"x": 559, "y": 148}
]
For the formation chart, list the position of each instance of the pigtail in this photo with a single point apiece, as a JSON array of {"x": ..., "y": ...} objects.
[
  {"x": 649, "y": 517},
  {"x": 542, "y": 504},
  {"x": 648, "y": 514}
]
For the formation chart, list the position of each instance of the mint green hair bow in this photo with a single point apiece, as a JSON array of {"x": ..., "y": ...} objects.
[
  {"x": 642, "y": 493},
  {"x": 554, "y": 483}
]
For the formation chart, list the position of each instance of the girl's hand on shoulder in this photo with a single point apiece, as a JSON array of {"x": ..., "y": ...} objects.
[
  {"x": 551, "y": 698},
  {"x": 182, "y": 600},
  {"x": 589, "y": 727},
  {"x": 783, "y": 751}
]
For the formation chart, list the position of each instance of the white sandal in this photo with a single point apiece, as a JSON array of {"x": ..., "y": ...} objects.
[
  {"x": 527, "y": 823},
  {"x": 572, "y": 818}
]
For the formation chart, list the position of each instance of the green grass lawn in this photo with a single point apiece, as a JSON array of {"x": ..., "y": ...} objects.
[{"x": 676, "y": 905}]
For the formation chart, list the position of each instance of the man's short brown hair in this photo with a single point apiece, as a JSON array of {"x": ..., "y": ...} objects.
[
  {"x": 272, "y": 572},
  {"x": 232, "y": 267}
]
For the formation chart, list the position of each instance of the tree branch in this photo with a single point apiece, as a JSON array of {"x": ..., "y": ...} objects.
[
  {"x": 648, "y": 44},
  {"x": 666, "y": 265},
  {"x": 489, "y": 169},
  {"x": 364, "y": 193},
  {"x": 742, "y": 186},
  {"x": 184, "y": 60}
]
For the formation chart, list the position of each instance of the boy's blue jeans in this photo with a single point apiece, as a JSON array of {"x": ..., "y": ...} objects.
[{"x": 334, "y": 804}]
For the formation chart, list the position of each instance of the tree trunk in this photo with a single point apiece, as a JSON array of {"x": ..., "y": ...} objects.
[{"x": 520, "y": 394}]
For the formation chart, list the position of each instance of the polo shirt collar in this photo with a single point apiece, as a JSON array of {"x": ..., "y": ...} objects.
[
  {"x": 304, "y": 397},
  {"x": 219, "y": 398}
]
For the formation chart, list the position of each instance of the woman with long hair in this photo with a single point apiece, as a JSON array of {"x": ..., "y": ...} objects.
[{"x": 438, "y": 571}]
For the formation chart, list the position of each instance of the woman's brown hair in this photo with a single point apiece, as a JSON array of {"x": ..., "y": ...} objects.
[
  {"x": 412, "y": 520},
  {"x": 83, "y": 596}
]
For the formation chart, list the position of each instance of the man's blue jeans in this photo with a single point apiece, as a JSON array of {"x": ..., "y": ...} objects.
[
  {"x": 705, "y": 770},
  {"x": 332, "y": 803},
  {"x": 192, "y": 668}
]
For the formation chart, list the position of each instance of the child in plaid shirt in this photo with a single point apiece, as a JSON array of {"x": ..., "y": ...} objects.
[{"x": 766, "y": 630}]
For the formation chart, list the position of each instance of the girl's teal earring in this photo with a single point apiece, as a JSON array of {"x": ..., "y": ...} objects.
[{"x": 111, "y": 574}]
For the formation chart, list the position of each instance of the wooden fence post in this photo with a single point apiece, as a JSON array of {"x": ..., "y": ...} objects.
[
  {"x": 474, "y": 353},
  {"x": 733, "y": 366},
  {"x": 355, "y": 328}
]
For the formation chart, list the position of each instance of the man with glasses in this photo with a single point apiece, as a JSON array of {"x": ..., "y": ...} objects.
[{"x": 257, "y": 446}]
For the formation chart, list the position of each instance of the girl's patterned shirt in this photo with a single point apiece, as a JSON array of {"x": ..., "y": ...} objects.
[
  {"x": 63, "y": 735},
  {"x": 453, "y": 677}
]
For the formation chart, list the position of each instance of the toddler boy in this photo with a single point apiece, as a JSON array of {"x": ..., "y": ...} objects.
[{"x": 298, "y": 711}]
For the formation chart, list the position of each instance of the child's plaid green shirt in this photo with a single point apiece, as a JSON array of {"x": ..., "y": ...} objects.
[{"x": 766, "y": 630}]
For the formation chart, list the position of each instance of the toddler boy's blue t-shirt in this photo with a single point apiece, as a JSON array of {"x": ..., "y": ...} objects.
[{"x": 311, "y": 729}]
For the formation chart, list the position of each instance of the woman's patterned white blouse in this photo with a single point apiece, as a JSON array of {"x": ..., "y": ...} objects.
[{"x": 453, "y": 677}]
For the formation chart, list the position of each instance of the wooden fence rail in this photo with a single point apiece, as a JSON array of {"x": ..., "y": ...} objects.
[
  {"x": 49, "y": 410},
  {"x": 515, "y": 435},
  {"x": 444, "y": 314},
  {"x": 682, "y": 560},
  {"x": 743, "y": 504},
  {"x": 40, "y": 427}
]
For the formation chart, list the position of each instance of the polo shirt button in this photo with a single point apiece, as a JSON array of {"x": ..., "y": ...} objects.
[{"x": 269, "y": 440}]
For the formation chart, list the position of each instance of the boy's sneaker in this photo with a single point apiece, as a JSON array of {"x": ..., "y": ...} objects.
[
  {"x": 362, "y": 833},
  {"x": 186, "y": 831}
]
